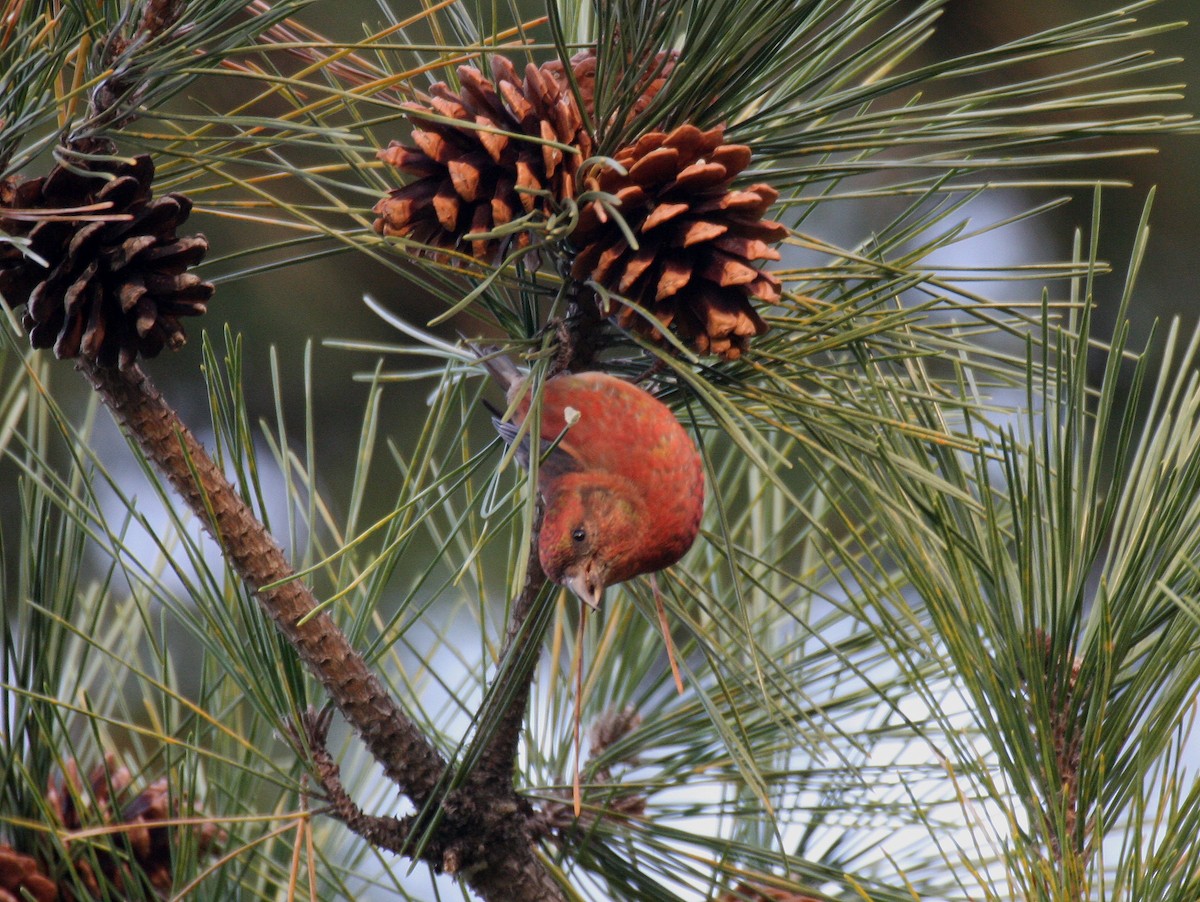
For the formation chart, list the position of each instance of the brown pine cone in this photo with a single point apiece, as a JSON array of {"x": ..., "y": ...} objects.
[
  {"x": 146, "y": 841},
  {"x": 113, "y": 287},
  {"x": 21, "y": 878},
  {"x": 469, "y": 177},
  {"x": 583, "y": 66},
  {"x": 698, "y": 241}
]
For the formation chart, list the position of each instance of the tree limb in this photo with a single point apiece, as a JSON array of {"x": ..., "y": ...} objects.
[{"x": 487, "y": 839}]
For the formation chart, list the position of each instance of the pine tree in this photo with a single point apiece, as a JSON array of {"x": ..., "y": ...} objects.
[{"x": 937, "y": 639}]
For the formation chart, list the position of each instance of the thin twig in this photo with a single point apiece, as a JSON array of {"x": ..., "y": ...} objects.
[
  {"x": 389, "y": 833},
  {"x": 496, "y": 762}
]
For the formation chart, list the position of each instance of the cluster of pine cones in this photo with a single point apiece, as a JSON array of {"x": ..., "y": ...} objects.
[
  {"x": 139, "y": 851},
  {"x": 693, "y": 267},
  {"x": 102, "y": 272}
]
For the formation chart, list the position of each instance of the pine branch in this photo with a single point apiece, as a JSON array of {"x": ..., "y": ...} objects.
[
  {"x": 498, "y": 759},
  {"x": 487, "y": 834},
  {"x": 398, "y": 744}
]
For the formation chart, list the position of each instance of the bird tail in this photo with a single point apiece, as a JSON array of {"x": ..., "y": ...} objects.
[
  {"x": 498, "y": 364},
  {"x": 506, "y": 373}
]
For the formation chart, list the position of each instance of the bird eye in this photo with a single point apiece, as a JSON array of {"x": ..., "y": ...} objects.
[{"x": 579, "y": 535}]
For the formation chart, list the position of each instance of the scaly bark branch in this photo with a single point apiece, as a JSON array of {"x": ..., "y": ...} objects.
[{"x": 487, "y": 837}]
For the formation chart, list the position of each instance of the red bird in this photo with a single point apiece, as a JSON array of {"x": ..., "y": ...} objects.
[{"x": 623, "y": 488}]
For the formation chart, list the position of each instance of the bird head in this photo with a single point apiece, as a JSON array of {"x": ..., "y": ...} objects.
[{"x": 588, "y": 531}]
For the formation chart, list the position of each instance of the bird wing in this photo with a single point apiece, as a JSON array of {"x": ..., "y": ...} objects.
[
  {"x": 554, "y": 461},
  {"x": 608, "y": 414}
]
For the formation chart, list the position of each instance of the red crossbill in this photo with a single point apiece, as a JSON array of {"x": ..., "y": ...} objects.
[{"x": 623, "y": 487}]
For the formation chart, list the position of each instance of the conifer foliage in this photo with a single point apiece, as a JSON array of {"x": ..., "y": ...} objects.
[{"x": 936, "y": 636}]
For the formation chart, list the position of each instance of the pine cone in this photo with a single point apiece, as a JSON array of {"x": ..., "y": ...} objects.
[
  {"x": 113, "y": 289},
  {"x": 21, "y": 878},
  {"x": 583, "y": 67},
  {"x": 698, "y": 240},
  {"x": 472, "y": 180},
  {"x": 145, "y": 841}
]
